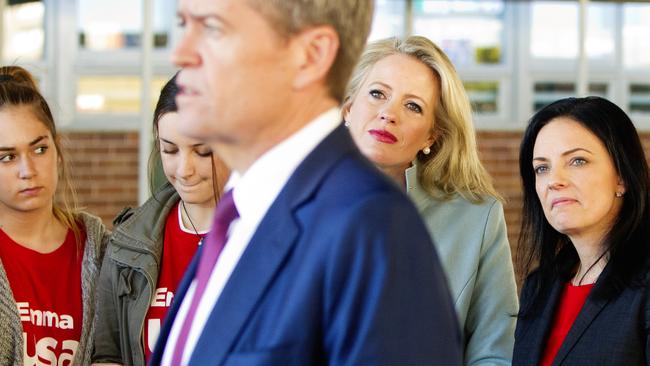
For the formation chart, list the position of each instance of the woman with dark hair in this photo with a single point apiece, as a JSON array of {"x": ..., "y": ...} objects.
[
  {"x": 153, "y": 244},
  {"x": 586, "y": 227},
  {"x": 50, "y": 252}
]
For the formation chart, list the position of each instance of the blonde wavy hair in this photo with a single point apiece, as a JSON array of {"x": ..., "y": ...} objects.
[
  {"x": 453, "y": 166},
  {"x": 17, "y": 88}
]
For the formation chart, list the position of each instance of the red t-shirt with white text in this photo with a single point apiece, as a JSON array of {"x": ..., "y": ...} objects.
[
  {"x": 179, "y": 246},
  {"x": 47, "y": 290}
]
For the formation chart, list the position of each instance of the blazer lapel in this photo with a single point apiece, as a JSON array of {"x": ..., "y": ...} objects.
[
  {"x": 250, "y": 279},
  {"x": 587, "y": 315},
  {"x": 266, "y": 252},
  {"x": 535, "y": 337}
]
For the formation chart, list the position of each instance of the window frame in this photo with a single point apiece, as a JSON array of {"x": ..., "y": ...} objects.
[
  {"x": 74, "y": 62},
  {"x": 501, "y": 73},
  {"x": 64, "y": 61}
]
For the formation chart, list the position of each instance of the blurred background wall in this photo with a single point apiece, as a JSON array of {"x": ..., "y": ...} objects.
[{"x": 101, "y": 64}]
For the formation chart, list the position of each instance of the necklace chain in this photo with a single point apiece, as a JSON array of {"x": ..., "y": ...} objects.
[
  {"x": 590, "y": 267},
  {"x": 190, "y": 220}
]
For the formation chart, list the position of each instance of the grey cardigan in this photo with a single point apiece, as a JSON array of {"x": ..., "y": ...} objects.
[
  {"x": 11, "y": 330},
  {"x": 472, "y": 244},
  {"x": 128, "y": 279}
]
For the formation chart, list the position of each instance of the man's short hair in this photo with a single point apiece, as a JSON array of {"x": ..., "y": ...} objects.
[{"x": 351, "y": 19}]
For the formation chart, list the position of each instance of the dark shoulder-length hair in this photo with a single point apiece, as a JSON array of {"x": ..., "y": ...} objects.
[
  {"x": 166, "y": 104},
  {"x": 627, "y": 242}
]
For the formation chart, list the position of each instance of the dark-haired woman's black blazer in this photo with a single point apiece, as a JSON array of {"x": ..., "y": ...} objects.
[{"x": 608, "y": 332}]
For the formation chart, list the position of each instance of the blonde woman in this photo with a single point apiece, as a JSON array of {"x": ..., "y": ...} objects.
[
  {"x": 408, "y": 112},
  {"x": 50, "y": 253}
]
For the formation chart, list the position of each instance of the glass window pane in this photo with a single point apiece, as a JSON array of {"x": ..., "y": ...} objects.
[
  {"x": 554, "y": 30},
  {"x": 639, "y": 98},
  {"x": 546, "y": 92},
  {"x": 117, "y": 24},
  {"x": 484, "y": 96},
  {"x": 470, "y": 32},
  {"x": 599, "y": 89},
  {"x": 113, "y": 94},
  {"x": 24, "y": 37},
  {"x": 636, "y": 35},
  {"x": 388, "y": 20}
]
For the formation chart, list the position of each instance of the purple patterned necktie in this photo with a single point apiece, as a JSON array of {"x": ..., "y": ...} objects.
[{"x": 212, "y": 246}]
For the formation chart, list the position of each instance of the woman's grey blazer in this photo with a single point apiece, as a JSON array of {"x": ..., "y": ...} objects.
[{"x": 472, "y": 243}]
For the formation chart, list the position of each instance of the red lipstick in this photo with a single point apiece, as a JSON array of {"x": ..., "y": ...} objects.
[{"x": 383, "y": 136}]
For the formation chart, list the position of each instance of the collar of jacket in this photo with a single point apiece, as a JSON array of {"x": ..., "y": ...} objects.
[
  {"x": 413, "y": 189},
  {"x": 142, "y": 231}
]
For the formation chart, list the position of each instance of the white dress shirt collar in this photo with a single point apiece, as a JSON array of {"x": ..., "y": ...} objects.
[{"x": 258, "y": 187}]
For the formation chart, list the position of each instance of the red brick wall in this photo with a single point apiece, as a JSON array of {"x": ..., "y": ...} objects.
[
  {"x": 500, "y": 154},
  {"x": 105, "y": 170}
]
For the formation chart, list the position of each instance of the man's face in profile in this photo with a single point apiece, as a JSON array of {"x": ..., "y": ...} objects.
[{"x": 235, "y": 70}]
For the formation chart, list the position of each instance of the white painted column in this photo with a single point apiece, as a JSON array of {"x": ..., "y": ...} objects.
[
  {"x": 3, "y": 4},
  {"x": 145, "y": 136},
  {"x": 408, "y": 18},
  {"x": 582, "y": 82}
]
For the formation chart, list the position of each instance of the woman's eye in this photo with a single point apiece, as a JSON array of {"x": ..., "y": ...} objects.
[
  {"x": 7, "y": 158},
  {"x": 204, "y": 153},
  {"x": 41, "y": 150},
  {"x": 578, "y": 161},
  {"x": 169, "y": 151},
  {"x": 375, "y": 93},
  {"x": 414, "y": 107},
  {"x": 540, "y": 169}
]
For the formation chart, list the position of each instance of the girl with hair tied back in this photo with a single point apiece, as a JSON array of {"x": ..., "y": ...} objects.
[
  {"x": 50, "y": 252},
  {"x": 409, "y": 114}
]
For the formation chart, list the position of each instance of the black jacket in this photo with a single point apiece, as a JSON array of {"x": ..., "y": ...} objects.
[{"x": 610, "y": 331}]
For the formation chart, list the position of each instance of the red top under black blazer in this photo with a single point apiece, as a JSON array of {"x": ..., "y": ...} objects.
[{"x": 611, "y": 331}]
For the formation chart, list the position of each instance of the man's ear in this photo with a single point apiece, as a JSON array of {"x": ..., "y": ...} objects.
[{"x": 315, "y": 50}]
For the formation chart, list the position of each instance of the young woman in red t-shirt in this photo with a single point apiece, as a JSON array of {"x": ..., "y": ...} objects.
[
  {"x": 586, "y": 225},
  {"x": 152, "y": 245},
  {"x": 50, "y": 253}
]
